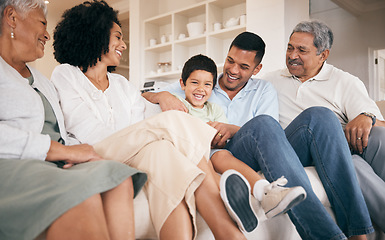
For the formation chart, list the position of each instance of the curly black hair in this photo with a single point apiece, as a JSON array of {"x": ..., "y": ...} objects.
[{"x": 83, "y": 34}]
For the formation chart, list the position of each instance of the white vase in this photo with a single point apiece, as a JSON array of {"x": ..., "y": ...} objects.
[{"x": 195, "y": 29}]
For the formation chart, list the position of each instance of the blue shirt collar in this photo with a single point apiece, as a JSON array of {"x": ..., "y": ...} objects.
[{"x": 247, "y": 88}]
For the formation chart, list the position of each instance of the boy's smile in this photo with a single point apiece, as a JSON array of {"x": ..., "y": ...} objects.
[{"x": 198, "y": 88}]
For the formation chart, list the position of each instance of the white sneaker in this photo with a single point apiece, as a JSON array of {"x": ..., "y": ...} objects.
[
  {"x": 235, "y": 193},
  {"x": 278, "y": 200}
]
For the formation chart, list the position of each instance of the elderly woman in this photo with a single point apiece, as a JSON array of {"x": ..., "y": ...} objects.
[
  {"x": 104, "y": 109},
  {"x": 91, "y": 200}
]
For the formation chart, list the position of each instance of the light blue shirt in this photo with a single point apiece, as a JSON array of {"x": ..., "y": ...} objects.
[{"x": 256, "y": 98}]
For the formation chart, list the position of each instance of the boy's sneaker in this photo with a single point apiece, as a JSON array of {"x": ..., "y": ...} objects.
[
  {"x": 278, "y": 199},
  {"x": 235, "y": 193}
]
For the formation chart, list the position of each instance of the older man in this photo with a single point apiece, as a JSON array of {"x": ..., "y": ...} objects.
[{"x": 309, "y": 81}]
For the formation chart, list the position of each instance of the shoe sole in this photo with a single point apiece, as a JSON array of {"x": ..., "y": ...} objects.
[
  {"x": 235, "y": 193},
  {"x": 293, "y": 198}
]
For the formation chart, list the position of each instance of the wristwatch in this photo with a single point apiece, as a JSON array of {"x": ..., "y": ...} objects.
[{"x": 371, "y": 115}]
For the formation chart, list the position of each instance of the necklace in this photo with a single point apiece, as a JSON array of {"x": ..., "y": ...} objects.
[{"x": 101, "y": 85}]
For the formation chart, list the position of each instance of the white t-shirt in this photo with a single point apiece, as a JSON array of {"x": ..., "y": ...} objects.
[
  {"x": 333, "y": 88},
  {"x": 90, "y": 114}
]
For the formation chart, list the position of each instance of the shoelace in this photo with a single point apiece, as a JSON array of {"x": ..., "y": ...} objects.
[{"x": 282, "y": 181}]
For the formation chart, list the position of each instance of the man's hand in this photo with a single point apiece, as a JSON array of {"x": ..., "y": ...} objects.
[
  {"x": 357, "y": 132},
  {"x": 224, "y": 132},
  {"x": 71, "y": 155},
  {"x": 166, "y": 101}
]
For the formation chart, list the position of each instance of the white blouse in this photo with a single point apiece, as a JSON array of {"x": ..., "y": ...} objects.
[{"x": 90, "y": 114}]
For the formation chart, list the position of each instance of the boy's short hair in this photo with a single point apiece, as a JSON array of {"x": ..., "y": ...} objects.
[{"x": 199, "y": 62}]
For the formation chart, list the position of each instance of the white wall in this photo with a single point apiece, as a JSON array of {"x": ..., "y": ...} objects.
[
  {"x": 353, "y": 36},
  {"x": 274, "y": 20}
]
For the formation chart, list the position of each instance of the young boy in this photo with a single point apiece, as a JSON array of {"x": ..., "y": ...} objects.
[{"x": 199, "y": 76}]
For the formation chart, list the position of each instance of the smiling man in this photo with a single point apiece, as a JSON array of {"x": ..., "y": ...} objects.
[
  {"x": 254, "y": 136},
  {"x": 309, "y": 81},
  {"x": 237, "y": 92}
]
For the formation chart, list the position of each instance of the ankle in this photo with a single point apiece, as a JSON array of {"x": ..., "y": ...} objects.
[
  {"x": 238, "y": 235},
  {"x": 358, "y": 237},
  {"x": 259, "y": 189}
]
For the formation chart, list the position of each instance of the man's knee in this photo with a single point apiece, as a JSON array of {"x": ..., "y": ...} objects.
[
  {"x": 261, "y": 122},
  {"x": 320, "y": 117},
  {"x": 321, "y": 113},
  {"x": 316, "y": 119}
]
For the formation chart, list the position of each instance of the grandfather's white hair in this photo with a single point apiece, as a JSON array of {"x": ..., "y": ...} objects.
[
  {"x": 22, "y": 6},
  {"x": 323, "y": 35}
]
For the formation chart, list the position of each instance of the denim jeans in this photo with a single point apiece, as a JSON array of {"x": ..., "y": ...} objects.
[{"x": 314, "y": 138}]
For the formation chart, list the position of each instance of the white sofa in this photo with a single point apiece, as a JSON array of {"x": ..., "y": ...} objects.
[{"x": 277, "y": 228}]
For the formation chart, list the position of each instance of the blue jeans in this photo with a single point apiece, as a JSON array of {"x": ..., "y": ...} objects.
[{"x": 314, "y": 138}]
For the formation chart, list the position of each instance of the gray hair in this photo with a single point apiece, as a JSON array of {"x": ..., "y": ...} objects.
[
  {"x": 22, "y": 6},
  {"x": 323, "y": 35}
]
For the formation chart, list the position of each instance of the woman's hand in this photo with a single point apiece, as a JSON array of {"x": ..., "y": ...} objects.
[
  {"x": 71, "y": 155},
  {"x": 224, "y": 132}
]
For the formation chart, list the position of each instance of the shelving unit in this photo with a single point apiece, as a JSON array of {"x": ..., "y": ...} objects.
[{"x": 177, "y": 49}]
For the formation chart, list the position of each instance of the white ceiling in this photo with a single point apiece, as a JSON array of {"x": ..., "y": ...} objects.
[{"x": 359, "y": 7}]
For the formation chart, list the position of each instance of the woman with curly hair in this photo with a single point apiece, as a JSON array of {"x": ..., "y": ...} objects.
[{"x": 104, "y": 109}]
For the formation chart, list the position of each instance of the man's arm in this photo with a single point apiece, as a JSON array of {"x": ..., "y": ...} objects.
[
  {"x": 379, "y": 123},
  {"x": 166, "y": 101},
  {"x": 355, "y": 101}
]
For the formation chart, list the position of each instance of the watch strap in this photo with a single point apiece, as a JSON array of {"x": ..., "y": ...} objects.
[{"x": 371, "y": 115}]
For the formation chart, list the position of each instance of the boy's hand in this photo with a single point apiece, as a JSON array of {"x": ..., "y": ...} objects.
[{"x": 224, "y": 132}]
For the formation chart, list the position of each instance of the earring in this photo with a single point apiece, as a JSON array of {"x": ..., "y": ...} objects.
[{"x": 12, "y": 34}]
